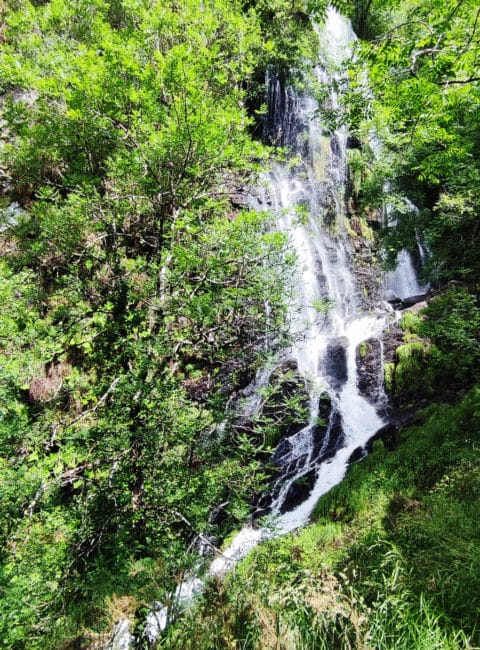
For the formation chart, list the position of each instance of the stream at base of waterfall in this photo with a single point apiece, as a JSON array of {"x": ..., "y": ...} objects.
[{"x": 308, "y": 198}]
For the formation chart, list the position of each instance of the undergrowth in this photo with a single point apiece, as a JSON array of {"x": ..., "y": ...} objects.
[{"x": 390, "y": 560}]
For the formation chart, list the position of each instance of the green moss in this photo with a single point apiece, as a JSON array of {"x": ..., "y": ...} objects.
[
  {"x": 364, "y": 349},
  {"x": 389, "y": 375},
  {"x": 410, "y": 351},
  {"x": 410, "y": 322}
]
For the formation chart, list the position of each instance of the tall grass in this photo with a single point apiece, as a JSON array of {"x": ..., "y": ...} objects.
[{"x": 390, "y": 562}]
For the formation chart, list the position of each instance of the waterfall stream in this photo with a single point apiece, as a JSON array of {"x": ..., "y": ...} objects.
[
  {"x": 304, "y": 199},
  {"x": 327, "y": 320}
]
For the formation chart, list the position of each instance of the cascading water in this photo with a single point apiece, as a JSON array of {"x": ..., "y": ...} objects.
[
  {"x": 326, "y": 318},
  {"x": 403, "y": 281},
  {"x": 304, "y": 200}
]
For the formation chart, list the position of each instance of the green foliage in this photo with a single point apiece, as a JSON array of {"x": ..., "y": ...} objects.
[
  {"x": 410, "y": 322},
  {"x": 134, "y": 296},
  {"x": 452, "y": 323},
  {"x": 369, "y": 17},
  {"x": 389, "y": 562},
  {"x": 364, "y": 349},
  {"x": 410, "y": 377},
  {"x": 422, "y": 103}
]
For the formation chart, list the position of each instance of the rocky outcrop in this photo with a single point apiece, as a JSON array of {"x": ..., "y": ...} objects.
[
  {"x": 327, "y": 436},
  {"x": 298, "y": 491},
  {"x": 365, "y": 260},
  {"x": 370, "y": 369},
  {"x": 405, "y": 303},
  {"x": 392, "y": 338},
  {"x": 336, "y": 362},
  {"x": 328, "y": 432}
]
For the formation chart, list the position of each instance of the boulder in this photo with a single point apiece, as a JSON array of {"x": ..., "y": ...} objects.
[
  {"x": 415, "y": 309},
  {"x": 298, "y": 491},
  {"x": 357, "y": 455},
  {"x": 353, "y": 142},
  {"x": 413, "y": 300},
  {"x": 336, "y": 362},
  {"x": 403, "y": 303},
  {"x": 391, "y": 297},
  {"x": 368, "y": 356}
]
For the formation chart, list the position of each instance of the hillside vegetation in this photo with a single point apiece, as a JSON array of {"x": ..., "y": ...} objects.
[
  {"x": 134, "y": 281},
  {"x": 390, "y": 558}
]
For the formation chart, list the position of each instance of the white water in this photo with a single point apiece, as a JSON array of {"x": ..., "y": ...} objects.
[
  {"x": 323, "y": 273},
  {"x": 403, "y": 279}
]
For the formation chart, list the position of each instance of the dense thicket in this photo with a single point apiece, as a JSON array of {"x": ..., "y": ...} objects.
[
  {"x": 390, "y": 561},
  {"x": 137, "y": 295},
  {"x": 423, "y": 103},
  {"x": 134, "y": 286}
]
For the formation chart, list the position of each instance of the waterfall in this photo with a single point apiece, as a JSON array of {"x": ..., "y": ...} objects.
[
  {"x": 326, "y": 343},
  {"x": 403, "y": 281},
  {"x": 326, "y": 317}
]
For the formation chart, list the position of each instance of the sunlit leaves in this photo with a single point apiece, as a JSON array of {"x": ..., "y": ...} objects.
[
  {"x": 138, "y": 297},
  {"x": 424, "y": 98}
]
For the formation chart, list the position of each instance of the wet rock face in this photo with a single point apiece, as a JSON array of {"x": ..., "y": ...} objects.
[
  {"x": 300, "y": 469},
  {"x": 368, "y": 357},
  {"x": 392, "y": 338},
  {"x": 298, "y": 491},
  {"x": 336, "y": 362},
  {"x": 335, "y": 146},
  {"x": 328, "y": 432},
  {"x": 410, "y": 301},
  {"x": 405, "y": 303}
]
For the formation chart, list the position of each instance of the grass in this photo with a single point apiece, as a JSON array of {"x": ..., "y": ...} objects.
[{"x": 389, "y": 562}]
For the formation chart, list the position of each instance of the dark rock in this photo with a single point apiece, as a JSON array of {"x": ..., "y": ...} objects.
[
  {"x": 388, "y": 434},
  {"x": 391, "y": 297},
  {"x": 298, "y": 491},
  {"x": 370, "y": 369},
  {"x": 391, "y": 338},
  {"x": 219, "y": 514},
  {"x": 328, "y": 434},
  {"x": 263, "y": 505},
  {"x": 403, "y": 303},
  {"x": 336, "y": 362},
  {"x": 412, "y": 300},
  {"x": 261, "y": 512},
  {"x": 357, "y": 455},
  {"x": 415, "y": 309},
  {"x": 324, "y": 406},
  {"x": 335, "y": 145},
  {"x": 353, "y": 142},
  {"x": 283, "y": 450}
]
